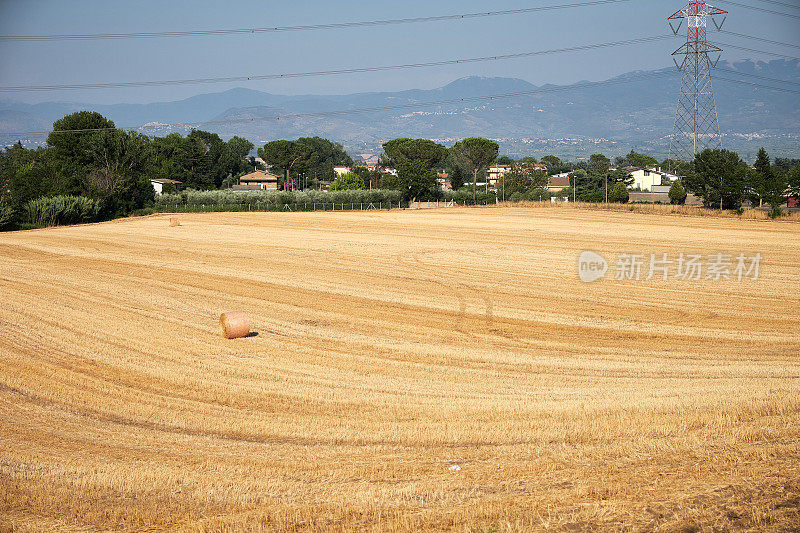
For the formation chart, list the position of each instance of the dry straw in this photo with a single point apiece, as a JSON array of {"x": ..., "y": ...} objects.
[
  {"x": 235, "y": 324},
  {"x": 662, "y": 209}
]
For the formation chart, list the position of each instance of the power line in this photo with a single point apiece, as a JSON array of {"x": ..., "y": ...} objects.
[
  {"x": 759, "y": 85},
  {"x": 760, "y": 39},
  {"x": 763, "y": 9},
  {"x": 758, "y": 51},
  {"x": 793, "y": 6},
  {"x": 279, "y": 29},
  {"x": 233, "y": 79},
  {"x": 329, "y": 72},
  {"x": 758, "y": 76}
]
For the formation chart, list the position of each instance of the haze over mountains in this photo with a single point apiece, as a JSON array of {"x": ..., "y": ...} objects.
[{"x": 632, "y": 111}]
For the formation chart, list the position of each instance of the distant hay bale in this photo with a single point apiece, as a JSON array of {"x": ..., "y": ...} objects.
[
  {"x": 173, "y": 222},
  {"x": 235, "y": 324}
]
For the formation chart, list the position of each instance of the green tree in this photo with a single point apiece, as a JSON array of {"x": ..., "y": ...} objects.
[
  {"x": 201, "y": 160},
  {"x": 793, "y": 179},
  {"x": 504, "y": 160},
  {"x": 522, "y": 179},
  {"x": 69, "y": 149},
  {"x": 86, "y": 155},
  {"x": 457, "y": 169},
  {"x": 283, "y": 155},
  {"x": 618, "y": 193},
  {"x": 552, "y": 162},
  {"x": 117, "y": 174},
  {"x": 347, "y": 182},
  {"x": 477, "y": 153},
  {"x": 619, "y": 176},
  {"x": 234, "y": 160},
  {"x": 365, "y": 174},
  {"x": 72, "y": 133},
  {"x": 638, "y": 160},
  {"x": 321, "y": 156},
  {"x": 313, "y": 156},
  {"x": 677, "y": 194},
  {"x": 763, "y": 165},
  {"x": 784, "y": 163},
  {"x": 7, "y": 216},
  {"x": 578, "y": 184},
  {"x": 415, "y": 161},
  {"x": 599, "y": 163},
  {"x": 770, "y": 184},
  {"x": 718, "y": 177}
]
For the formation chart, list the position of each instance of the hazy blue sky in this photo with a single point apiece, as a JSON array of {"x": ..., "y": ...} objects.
[{"x": 36, "y": 63}]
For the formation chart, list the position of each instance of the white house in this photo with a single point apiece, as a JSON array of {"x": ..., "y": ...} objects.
[
  {"x": 646, "y": 178},
  {"x": 158, "y": 184}
]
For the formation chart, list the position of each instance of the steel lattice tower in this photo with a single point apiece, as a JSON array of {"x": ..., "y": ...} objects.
[{"x": 696, "y": 124}]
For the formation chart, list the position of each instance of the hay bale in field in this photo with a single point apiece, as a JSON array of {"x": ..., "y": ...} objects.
[
  {"x": 174, "y": 222},
  {"x": 235, "y": 324}
]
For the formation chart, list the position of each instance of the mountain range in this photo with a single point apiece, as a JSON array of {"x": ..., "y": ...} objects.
[{"x": 632, "y": 111}]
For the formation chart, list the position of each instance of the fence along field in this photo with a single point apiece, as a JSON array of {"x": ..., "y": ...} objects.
[{"x": 435, "y": 369}]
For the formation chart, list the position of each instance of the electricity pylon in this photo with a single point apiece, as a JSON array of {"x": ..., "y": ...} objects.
[{"x": 696, "y": 123}]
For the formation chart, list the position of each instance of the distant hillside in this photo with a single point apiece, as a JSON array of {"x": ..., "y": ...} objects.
[{"x": 636, "y": 109}]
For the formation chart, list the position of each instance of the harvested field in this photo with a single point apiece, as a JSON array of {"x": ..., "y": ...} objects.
[{"x": 415, "y": 370}]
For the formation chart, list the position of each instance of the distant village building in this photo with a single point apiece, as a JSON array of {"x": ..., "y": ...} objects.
[
  {"x": 558, "y": 183},
  {"x": 257, "y": 181},
  {"x": 341, "y": 170},
  {"x": 444, "y": 181},
  {"x": 496, "y": 172},
  {"x": 158, "y": 185}
]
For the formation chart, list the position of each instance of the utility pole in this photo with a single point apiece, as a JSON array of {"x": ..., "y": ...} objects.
[
  {"x": 696, "y": 123},
  {"x": 574, "y": 188}
]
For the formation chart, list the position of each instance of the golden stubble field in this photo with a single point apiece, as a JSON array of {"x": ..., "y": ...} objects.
[{"x": 414, "y": 370}]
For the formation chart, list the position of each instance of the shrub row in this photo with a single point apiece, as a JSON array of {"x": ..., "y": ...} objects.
[
  {"x": 6, "y": 216},
  {"x": 465, "y": 196},
  {"x": 228, "y": 197},
  {"x": 533, "y": 195},
  {"x": 59, "y": 210}
]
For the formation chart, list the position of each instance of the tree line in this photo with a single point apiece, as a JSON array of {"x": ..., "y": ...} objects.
[
  {"x": 87, "y": 157},
  {"x": 721, "y": 179}
]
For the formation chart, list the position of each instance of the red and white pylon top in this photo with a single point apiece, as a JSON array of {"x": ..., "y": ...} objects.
[{"x": 697, "y": 13}]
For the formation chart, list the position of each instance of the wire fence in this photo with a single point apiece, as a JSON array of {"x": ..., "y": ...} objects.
[{"x": 304, "y": 207}]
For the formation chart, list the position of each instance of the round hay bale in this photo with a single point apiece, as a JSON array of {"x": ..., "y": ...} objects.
[
  {"x": 174, "y": 222},
  {"x": 235, "y": 324}
]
